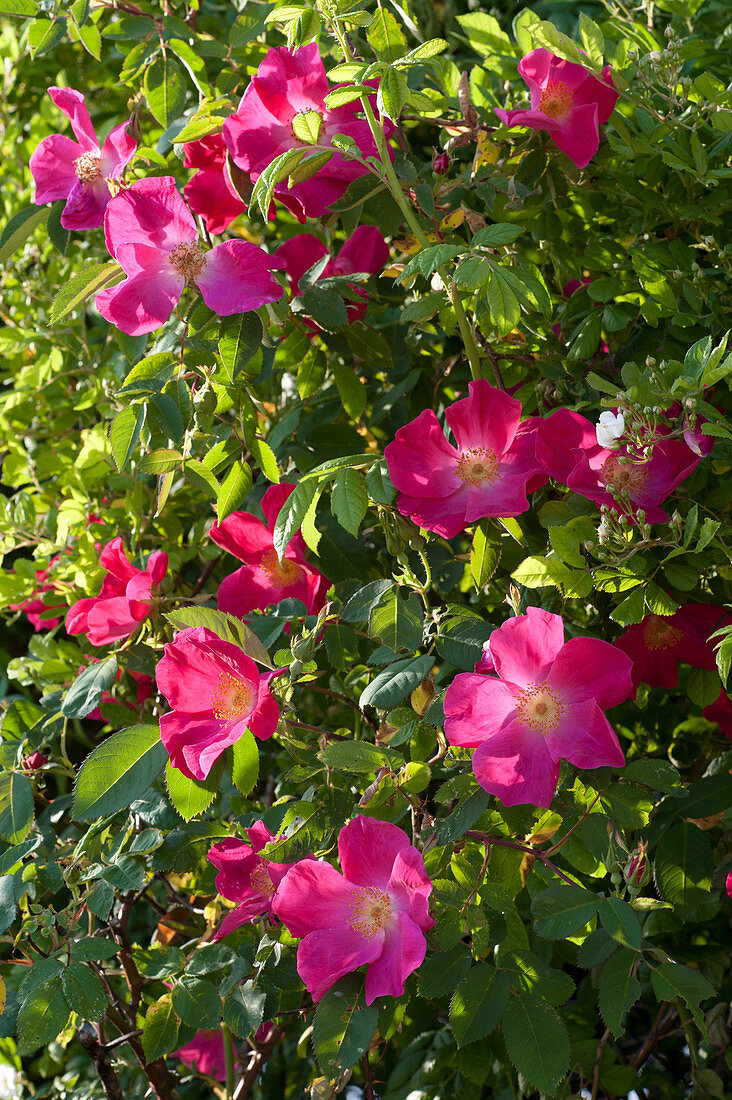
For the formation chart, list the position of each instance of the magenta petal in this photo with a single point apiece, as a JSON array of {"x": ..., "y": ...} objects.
[
  {"x": 365, "y": 250},
  {"x": 585, "y": 738},
  {"x": 587, "y": 668},
  {"x": 52, "y": 167},
  {"x": 243, "y": 535},
  {"x": 443, "y": 515},
  {"x": 403, "y": 951},
  {"x": 143, "y": 302},
  {"x": 535, "y": 120},
  {"x": 272, "y": 503},
  {"x": 237, "y": 279},
  {"x": 524, "y": 648},
  {"x": 311, "y": 896},
  {"x": 476, "y": 707},
  {"x": 192, "y": 666},
  {"x": 579, "y": 136},
  {"x": 117, "y": 151},
  {"x": 265, "y": 716},
  {"x": 421, "y": 462},
  {"x": 85, "y": 206},
  {"x": 150, "y": 213},
  {"x": 487, "y": 418},
  {"x": 114, "y": 559},
  {"x": 515, "y": 765},
  {"x": 367, "y": 849},
  {"x": 243, "y": 914},
  {"x": 195, "y": 741},
  {"x": 301, "y": 253},
  {"x": 410, "y": 887},
  {"x": 77, "y": 615},
  {"x": 111, "y": 620},
  {"x": 73, "y": 106},
  {"x": 207, "y": 194},
  {"x": 325, "y": 956}
]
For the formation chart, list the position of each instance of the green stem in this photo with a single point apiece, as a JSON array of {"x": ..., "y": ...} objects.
[{"x": 229, "y": 1058}]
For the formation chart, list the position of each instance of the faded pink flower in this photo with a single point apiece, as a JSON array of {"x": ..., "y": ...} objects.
[
  {"x": 152, "y": 234},
  {"x": 568, "y": 449},
  {"x": 291, "y": 84},
  {"x": 720, "y": 711},
  {"x": 376, "y": 912},
  {"x": 567, "y": 101},
  {"x": 78, "y": 171},
  {"x": 544, "y": 705},
  {"x": 205, "y": 1054},
  {"x": 364, "y": 251},
  {"x": 216, "y": 693},
  {"x": 445, "y": 488},
  {"x": 658, "y": 643},
  {"x": 263, "y": 580},
  {"x": 210, "y": 192},
  {"x": 245, "y": 877},
  {"x": 124, "y": 601}
]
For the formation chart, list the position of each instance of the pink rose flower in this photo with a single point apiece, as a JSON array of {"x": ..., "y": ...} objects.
[
  {"x": 728, "y": 885},
  {"x": 445, "y": 488},
  {"x": 205, "y": 1054},
  {"x": 246, "y": 878},
  {"x": 376, "y": 912},
  {"x": 152, "y": 234},
  {"x": 263, "y": 580},
  {"x": 364, "y": 251},
  {"x": 720, "y": 711},
  {"x": 288, "y": 84},
  {"x": 78, "y": 171},
  {"x": 124, "y": 601},
  {"x": 657, "y": 643},
  {"x": 544, "y": 705},
  {"x": 210, "y": 192},
  {"x": 36, "y": 609},
  {"x": 216, "y": 693},
  {"x": 568, "y": 449},
  {"x": 33, "y": 762},
  {"x": 567, "y": 101}
]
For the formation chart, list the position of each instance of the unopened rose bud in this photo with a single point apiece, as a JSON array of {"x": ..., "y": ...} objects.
[
  {"x": 441, "y": 163},
  {"x": 610, "y": 428},
  {"x": 637, "y": 871},
  {"x": 655, "y": 55},
  {"x": 33, "y": 762}
]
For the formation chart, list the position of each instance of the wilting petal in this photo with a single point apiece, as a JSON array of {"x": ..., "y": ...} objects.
[{"x": 73, "y": 106}]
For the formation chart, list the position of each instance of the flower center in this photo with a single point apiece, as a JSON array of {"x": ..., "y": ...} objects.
[
  {"x": 661, "y": 633},
  {"x": 540, "y": 708},
  {"x": 261, "y": 881},
  {"x": 556, "y": 99},
  {"x": 477, "y": 466},
  {"x": 618, "y": 478},
  {"x": 88, "y": 167},
  {"x": 307, "y": 126},
  {"x": 188, "y": 259},
  {"x": 284, "y": 573},
  {"x": 232, "y": 698},
  {"x": 371, "y": 911}
]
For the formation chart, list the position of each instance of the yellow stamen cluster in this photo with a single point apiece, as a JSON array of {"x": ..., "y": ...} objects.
[
  {"x": 371, "y": 911},
  {"x": 188, "y": 259},
  {"x": 540, "y": 708},
  {"x": 630, "y": 479},
  {"x": 261, "y": 881},
  {"x": 88, "y": 167},
  {"x": 661, "y": 634},
  {"x": 477, "y": 466},
  {"x": 283, "y": 572},
  {"x": 231, "y": 698},
  {"x": 556, "y": 99}
]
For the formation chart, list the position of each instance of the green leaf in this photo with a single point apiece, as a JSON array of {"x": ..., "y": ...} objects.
[
  {"x": 593, "y": 40},
  {"x": 393, "y": 94},
  {"x": 292, "y": 514},
  {"x": 485, "y": 35},
  {"x": 244, "y": 1009},
  {"x": 562, "y": 911},
  {"x": 395, "y": 682},
  {"x": 326, "y": 308},
  {"x": 619, "y": 989},
  {"x": 94, "y": 949},
  {"x": 546, "y": 34},
  {"x": 91, "y": 280},
  {"x": 150, "y": 375},
  {"x": 42, "y": 1016},
  {"x": 306, "y": 126},
  {"x": 125, "y": 433},
  {"x": 349, "y": 500},
  {"x": 378, "y": 483},
  {"x": 491, "y": 236},
  {"x": 273, "y": 174},
  {"x": 359, "y": 607},
  {"x": 397, "y": 620},
  {"x": 162, "y": 461},
  {"x": 671, "y": 980},
  {"x": 460, "y": 641},
  {"x": 19, "y": 229},
  {"x": 165, "y": 90},
  {"x": 478, "y": 1003},
  {"x": 226, "y": 627},
  {"x": 703, "y": 686},
  {"x": 536, "y": 1041},
  {"x": 84, "y": 992},
  {"x": 189, "y": 796},
  {"x": 234, "y": 490},
  {"x": 8, "y": 905},
  {"x": 160, "y": 1029},
  {"x": 621, "y": 922},
  {"x": 443, "y": 971},
  {"x": 16, "y": 807},
  {"x": 86, "y": 690},
  {"x": 356, "y": 756},
  {"x": 503, "y": 304},
  {"x": 193, "y": 63},
  {"x": 385, "y": 36},
  {"x": 350, "y": 388},
  {"x": 45, "y": 35},
  {"x": 118, "y": 771},
  {"x": 20, "y": 8},
  {"x": 197, "y": 1002},
  {"x": 683, "y": 866},
  {"x": 245, "y": 770},
  {"x": 485, "y": 554},
  {"x": 240, "y": 338},
  {"x": 343, "y": 1027}
]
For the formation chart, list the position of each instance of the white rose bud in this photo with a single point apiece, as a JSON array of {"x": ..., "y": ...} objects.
[{"x": 610, "y": 428}]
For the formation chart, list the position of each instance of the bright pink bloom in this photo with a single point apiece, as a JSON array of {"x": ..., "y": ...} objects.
[
  {"x": 568, "y": 449},
  {"x": 151, "y": 232},
  {"x": 445, "y": 488},
  {"x": 567, "y": 101},
  {"x": 263, "y": 580},
  {"x": 287, "y": 84},
  {"x": 205, "y": 1054},
  {"x": 657, "y": 643},
  {"x": 246, "y": 878},
  {"x": 728, "y": 885},
  {"x": 33, "y": 762},
  {"x": 376, "y": 912},
  {"x": 544, "y": 705},
  {"x": 720, "y": 711},
  {"x": 78, "y": 170},
  {"x": 210, "y": 191},
  {"x": 37, "y": 609},
  {"x": 124, "y": 601},
  {"x": 364, "y": 251},
  {"x": 216, "y": 693}
]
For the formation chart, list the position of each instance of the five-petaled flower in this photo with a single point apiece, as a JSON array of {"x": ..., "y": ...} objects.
[
  {"x": 263, "y": 579},
  {"x": 124, "y": 601},
  {"x": 78, "y": 171},
  {"x": 152, "y": 234},
  {"x": 246, "y": 878},
  {"x": 567, "y": 101},
  {"x": 444, "y": 488},
  {"x": 376, "y": 912},
  {"x": 544, "y": 705},
  {"x": 216, "y": 693},
  {"x": 658, "y": 643}
]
